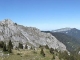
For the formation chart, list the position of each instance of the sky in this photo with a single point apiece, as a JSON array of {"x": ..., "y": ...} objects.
[{"x": 42, "y": 14}]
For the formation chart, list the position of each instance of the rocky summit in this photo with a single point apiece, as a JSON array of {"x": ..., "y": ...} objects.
[{"x": 27, "y": 35}]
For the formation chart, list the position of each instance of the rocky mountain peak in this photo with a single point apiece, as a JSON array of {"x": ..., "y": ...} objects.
[
  {"x": 7, "y": 22},
  {"x": 27, "y": 35}
]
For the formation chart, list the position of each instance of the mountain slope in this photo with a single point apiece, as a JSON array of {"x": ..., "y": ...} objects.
[
  {"x": 27, "y": 35},
  {"x": 70, "y": 31},
  {"x": 70, "y": 42}
]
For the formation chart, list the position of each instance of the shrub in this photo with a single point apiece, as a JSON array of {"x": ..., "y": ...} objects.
[
  {"x": 18, "y": 54},
  {"x": 15, "y": 23},
  {"x": 51, "y": 50}
]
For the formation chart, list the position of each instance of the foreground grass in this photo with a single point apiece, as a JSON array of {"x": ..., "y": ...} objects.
[{"x": 29, "y": 55}]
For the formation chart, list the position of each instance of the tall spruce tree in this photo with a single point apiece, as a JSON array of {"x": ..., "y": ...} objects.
[
  {"x": 20, "y": 46},
  {"x": 1, "y": 44},
  {"x": 10, "y": 46},
  {"x": 26, "y": 47}
]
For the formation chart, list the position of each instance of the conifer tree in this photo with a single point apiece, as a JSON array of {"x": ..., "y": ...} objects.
[
  {"x": 20, "y": 46},
  {"x": 10, "y": 46},
  {"x": 47, "y": 47},
  {"x": 1, "y": 44},
  {"x": 26, "y": 47},
  {"x": 42, "y": 52},
  {"x": 4, "y": 47}
]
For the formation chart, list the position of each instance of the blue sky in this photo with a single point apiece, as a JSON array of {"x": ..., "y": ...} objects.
[{"x": 42, "y": 14}]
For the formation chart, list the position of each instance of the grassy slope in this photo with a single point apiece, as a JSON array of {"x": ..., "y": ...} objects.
[{"x": 29, "y": 55}]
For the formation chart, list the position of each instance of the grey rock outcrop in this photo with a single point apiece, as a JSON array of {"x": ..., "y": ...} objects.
[{"x": 27, "y": 35}]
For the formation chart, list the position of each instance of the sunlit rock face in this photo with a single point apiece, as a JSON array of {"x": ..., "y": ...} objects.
[{"x": 27, "y": 35}]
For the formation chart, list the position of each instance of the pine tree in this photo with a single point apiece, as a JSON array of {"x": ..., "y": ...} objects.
[
  {"x": 4, "y": 47},
  {"x": 26, "y": 47},
  {"x": 10, "y": 46},
  {"x": 20, "y": 46},
  {"x": 1, "y": 44},
  {"x": 42, "y": 52},
  {"x": 40, "y": 46}
]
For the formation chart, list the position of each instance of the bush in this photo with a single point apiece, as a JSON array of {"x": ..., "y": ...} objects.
[
  {"x": 18, "y": 54},
  {"x": 51, "y": 50},
  {"x": 15, "y": 23}
]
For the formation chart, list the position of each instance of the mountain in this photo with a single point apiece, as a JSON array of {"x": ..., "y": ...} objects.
[
  {"x": 31, "y": 36},
  {"x": 62, "y": 30},
  {"x": 70, "y": 42},
  {"x": 70, "y": 31}
]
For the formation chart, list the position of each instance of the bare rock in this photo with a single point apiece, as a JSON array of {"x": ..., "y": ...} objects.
[{"x": 27, "y": 35}]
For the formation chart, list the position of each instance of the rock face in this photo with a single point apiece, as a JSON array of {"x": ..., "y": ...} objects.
[{"x": 27, "y": 35}]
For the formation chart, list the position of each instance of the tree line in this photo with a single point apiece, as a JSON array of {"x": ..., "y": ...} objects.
[{"x": 9, "y": 46}]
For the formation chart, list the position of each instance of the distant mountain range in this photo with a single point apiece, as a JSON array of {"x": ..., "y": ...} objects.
[
  {"x": 69, "y": 31},
  {"x": 69, "y": 36}
]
